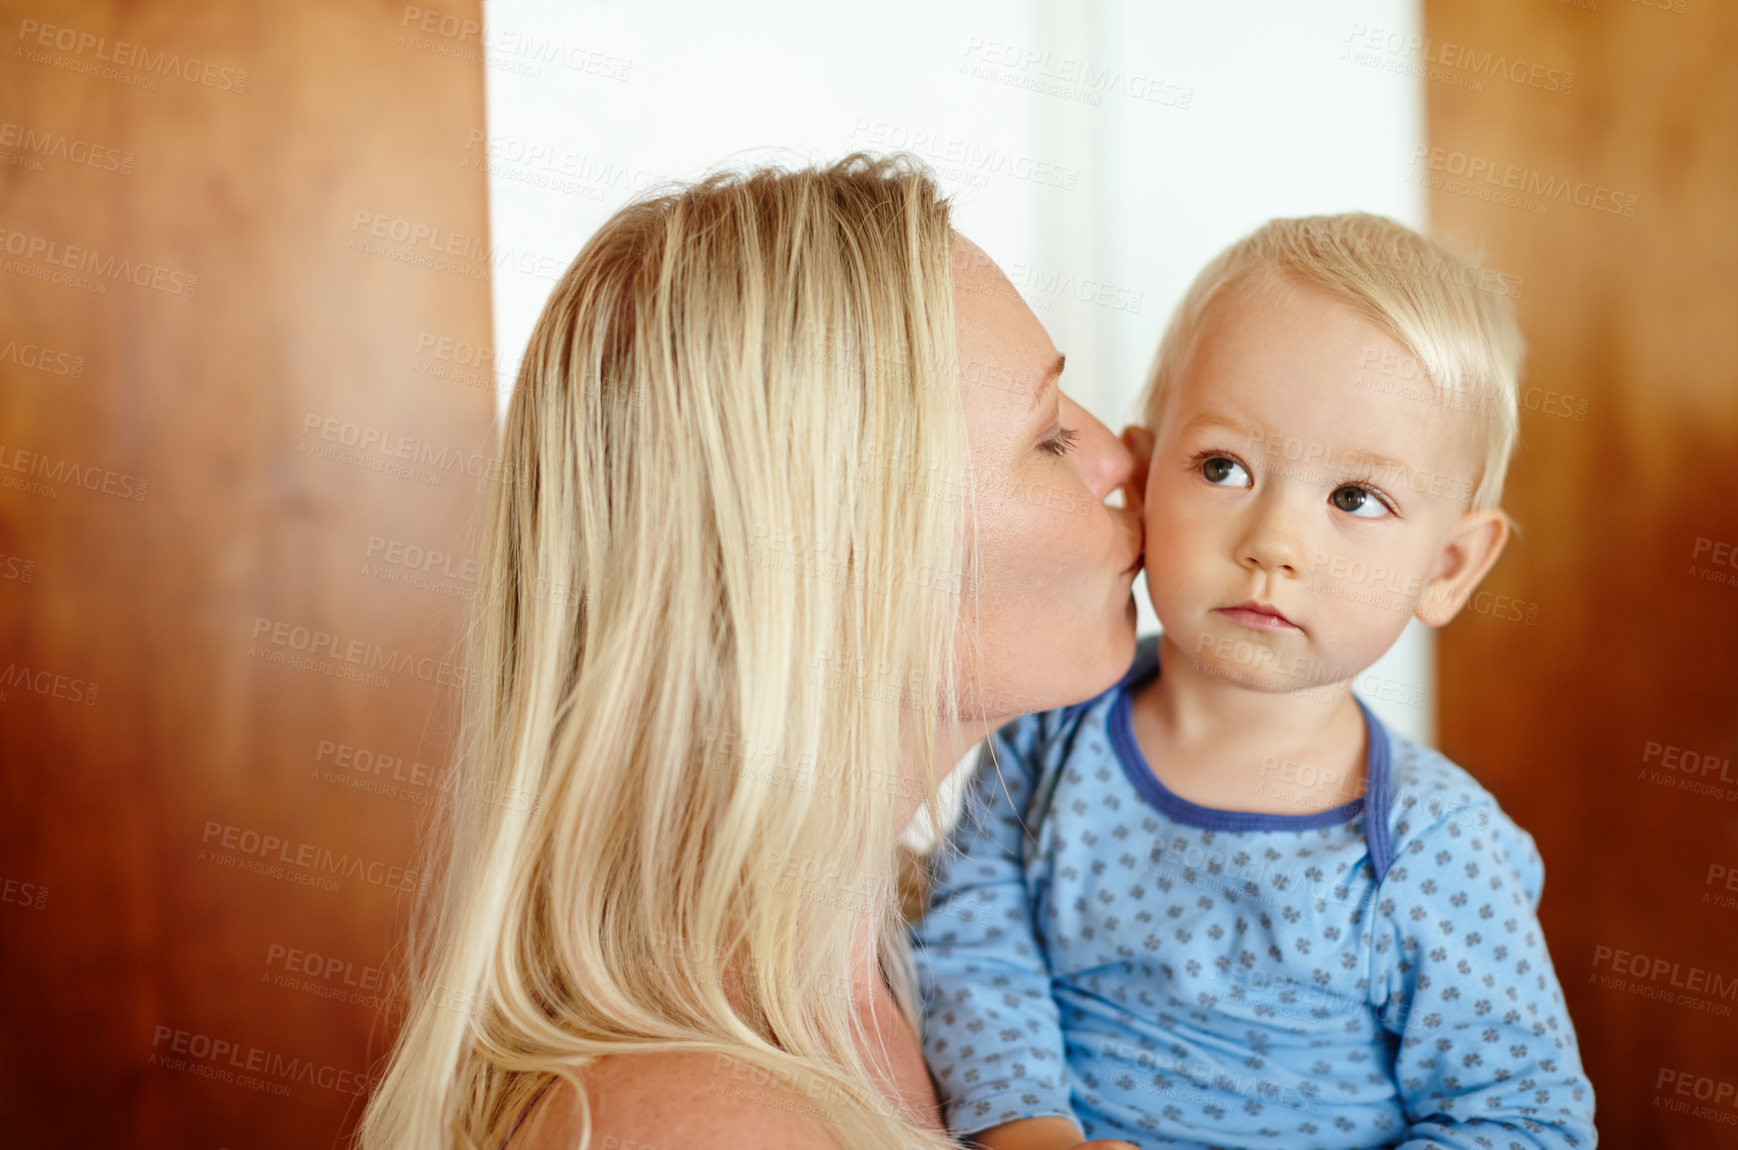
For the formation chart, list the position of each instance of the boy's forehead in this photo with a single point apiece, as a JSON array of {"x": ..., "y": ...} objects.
[
  {"x": 1292, "y": 363},
  {"x": 1275, "y": 323}
]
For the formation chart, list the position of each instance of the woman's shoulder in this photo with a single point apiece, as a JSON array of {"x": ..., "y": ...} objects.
[{"x": 656, "y": 1101}]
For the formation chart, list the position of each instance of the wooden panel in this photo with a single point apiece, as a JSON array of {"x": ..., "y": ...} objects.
[
  {"x": 1599, "y": 696},
  {"x": 242, "y": 232}
]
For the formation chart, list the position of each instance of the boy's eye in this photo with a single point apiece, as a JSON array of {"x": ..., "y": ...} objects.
[
  {"x": 1359, "y": 501},
  {"x": 1224, "y": 472}
]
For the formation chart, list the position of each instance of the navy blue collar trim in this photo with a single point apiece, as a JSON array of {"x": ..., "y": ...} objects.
[{"x": 1174, "y": 806}]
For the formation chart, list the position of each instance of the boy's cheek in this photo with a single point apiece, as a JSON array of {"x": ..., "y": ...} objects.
[
  {"x": 1175, "y": 578},
  {"x": 1154, "y": 524},
  {"x": 1153, "y": 494},
  {"x": 1166, "y": 543}
]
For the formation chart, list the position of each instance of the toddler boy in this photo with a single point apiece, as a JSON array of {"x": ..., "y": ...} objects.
[{"x": 1221, "y": 904}]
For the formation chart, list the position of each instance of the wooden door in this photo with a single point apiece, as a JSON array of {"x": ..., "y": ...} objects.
[
  {"x": 1592, "y": 145},
  {"x": 245, "y": 278}
]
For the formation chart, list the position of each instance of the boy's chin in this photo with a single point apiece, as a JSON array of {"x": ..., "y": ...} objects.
[
  {"x": 1264, "y": 682},
  {"x": 1265, "y": 668}
]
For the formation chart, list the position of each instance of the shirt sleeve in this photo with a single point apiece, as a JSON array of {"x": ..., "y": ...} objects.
[
  {"x": 1460, "y": 972},
  {"x": 991, "y": 1030}
]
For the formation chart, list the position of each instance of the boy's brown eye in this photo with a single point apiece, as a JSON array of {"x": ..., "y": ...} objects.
[
  {"x": 1355, "y": 500},
  {"x": 1218, "y": 469}
]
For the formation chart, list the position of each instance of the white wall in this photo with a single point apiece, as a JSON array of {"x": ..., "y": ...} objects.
[{"x": 1101, "y": 153}]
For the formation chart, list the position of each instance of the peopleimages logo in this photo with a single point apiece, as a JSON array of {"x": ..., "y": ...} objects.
[
  {"x": 316, "y": 644},
  {"x": 35, "y": 35},
  {"x": 1662, "y": 980},
  {"x": 268, "y": 848},
  {"x": 36, "y": 357},
  {"x": 58, "y": 145},
  {"x": 88, "y": 476},
  {"x": 92, "y": 262},
  {"x": 226, "y": 1060},
  {"x": 1464, "y": 58},
  {"x": 508, "y": 49},
  {"x": 968, "y": 156},
  {"x": 48, "y": 683},
  {"x": 1525, "y": 181},
  {"x": 1068, "y": 77},
  {"x": 376, "y": 448}
]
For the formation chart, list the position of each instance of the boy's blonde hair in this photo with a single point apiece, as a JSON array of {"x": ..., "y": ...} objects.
[{"x": 1453, "y": 317}]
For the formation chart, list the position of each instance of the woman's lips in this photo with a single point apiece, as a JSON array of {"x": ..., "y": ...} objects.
[
  {"x": 1257, "y": 617},
  {"x": 1140, "y": 548}
]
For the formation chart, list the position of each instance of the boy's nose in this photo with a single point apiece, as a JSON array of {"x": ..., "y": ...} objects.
[{"x": 1272, "y": 543}]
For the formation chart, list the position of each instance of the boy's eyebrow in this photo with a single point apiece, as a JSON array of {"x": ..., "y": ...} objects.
[
  {"x": 1045, "y": 380},
  {"x": 1214, "y": 419},
  {"x": 1375, "y": 461}
]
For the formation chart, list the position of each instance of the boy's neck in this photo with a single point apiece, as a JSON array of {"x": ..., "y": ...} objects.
[{"x": 1220, "y": 744}]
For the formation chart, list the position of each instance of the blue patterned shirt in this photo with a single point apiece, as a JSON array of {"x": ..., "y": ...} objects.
[{"x": 1100, "y": 948}]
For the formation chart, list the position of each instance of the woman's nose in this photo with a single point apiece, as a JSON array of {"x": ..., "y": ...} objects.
[{"x": 1106, "y": 461}]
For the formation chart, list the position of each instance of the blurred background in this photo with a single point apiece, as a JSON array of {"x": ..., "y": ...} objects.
[{"x": 268, "y": 270}]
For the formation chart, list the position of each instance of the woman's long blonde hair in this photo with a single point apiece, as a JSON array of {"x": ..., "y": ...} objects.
[{"x": 715, "y": 610}]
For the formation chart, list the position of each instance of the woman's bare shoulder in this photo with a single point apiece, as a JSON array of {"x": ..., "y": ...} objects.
[{"x": 675, "y": 1102}]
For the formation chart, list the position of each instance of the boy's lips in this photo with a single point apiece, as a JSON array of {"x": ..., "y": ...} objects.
[{"x": 1257, "y": 616}]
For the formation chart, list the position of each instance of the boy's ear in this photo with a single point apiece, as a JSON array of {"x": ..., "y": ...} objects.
[{"x": 1471, "y": 549}]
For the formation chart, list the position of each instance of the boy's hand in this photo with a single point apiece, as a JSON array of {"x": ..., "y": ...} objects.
[{"x": 1042, "y": 1134}]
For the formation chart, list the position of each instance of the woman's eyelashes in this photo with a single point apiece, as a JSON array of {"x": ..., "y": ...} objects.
[{"x": 1062, "y": 442}]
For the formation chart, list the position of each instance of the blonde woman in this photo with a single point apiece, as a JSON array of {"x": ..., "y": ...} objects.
[{"x": 796, "y": 512}]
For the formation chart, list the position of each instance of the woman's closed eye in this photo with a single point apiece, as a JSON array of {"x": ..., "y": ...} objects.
[{"x": 1062, "y": 442}]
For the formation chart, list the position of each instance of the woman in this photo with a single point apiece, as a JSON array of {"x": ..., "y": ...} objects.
[{"x": 796, "y": 453}]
